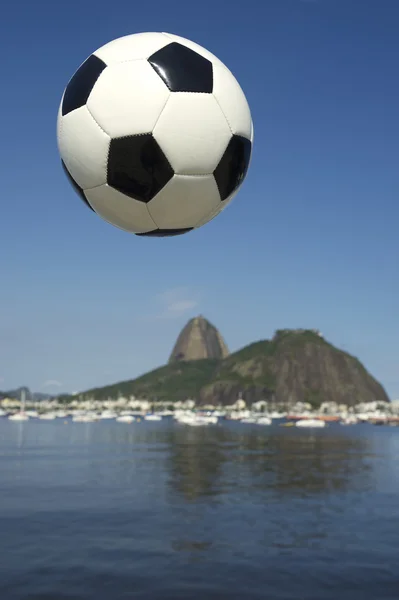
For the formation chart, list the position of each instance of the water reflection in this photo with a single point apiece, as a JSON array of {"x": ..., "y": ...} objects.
[
  {"x": 213, "y": 462},
  {"x": 196, "y": 460}
]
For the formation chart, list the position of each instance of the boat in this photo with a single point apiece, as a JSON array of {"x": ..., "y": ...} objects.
[
  {"x": 278, "y": 415},
  {"x": 351, "y": 420},
  {"x": 84, "y": 418},
  {"x": 194, "y": 419},
  {"x": 21, "y": 415},
  {"x": 125, "y": 419},
  {"x": 185, "y": 417},
  {"x": 47, "y": 416},
  {"x": 239, "y": 415},
  {"x": 107, "y": 414},
  {"x": 152, "y": 417},
  {"x": 207, "y": 419},
  {"x": 32, "y": 413},
  {"x": 264, "y": 421},
  {"x": 314, "y": 423}
]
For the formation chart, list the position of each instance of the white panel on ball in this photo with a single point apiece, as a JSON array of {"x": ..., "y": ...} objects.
[
  {"x": 193, "y": 46},
  {"x": 132, "y": 47},
  {"x": 184, "y": 201},
  {"x": 232, "y": 101},
  {"x": 128, "y": 99},
  {"x": 193, "y": 133},
  {"x": 120, "y": 210},
  {"x": 207, "y": 218},
  {"x": 220, "y": 208},
  {"x": 84, "y": 148}
]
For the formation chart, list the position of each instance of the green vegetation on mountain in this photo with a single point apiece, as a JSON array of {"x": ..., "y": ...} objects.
[
  {"x": 170, "y": 383},
  {"x": 296, "y": 365}
]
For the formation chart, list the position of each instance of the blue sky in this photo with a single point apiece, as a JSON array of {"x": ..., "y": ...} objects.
[{"x": 311, "y": 240}]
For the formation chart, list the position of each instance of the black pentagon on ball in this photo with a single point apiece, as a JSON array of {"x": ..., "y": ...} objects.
[
  {"x": 137, "y": 167},
  {"x": 183, "y": 69},
  {"x": 79, "y": 87},
  {"x": 233, "y": 166},
  {"x": 75, "y": 186},
  {"x": 165, "y": 232}
]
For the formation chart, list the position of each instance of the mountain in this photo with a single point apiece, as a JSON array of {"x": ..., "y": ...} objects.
[
  {"x": 199, "y": 339},
  {"x": 296, "y": 365},
  {"x": 32, "y": 396}
]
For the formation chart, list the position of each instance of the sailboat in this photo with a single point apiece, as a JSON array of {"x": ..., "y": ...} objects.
[{"x": 21, "y": 415}]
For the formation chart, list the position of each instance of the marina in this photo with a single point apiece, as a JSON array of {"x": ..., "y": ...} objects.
[{"x": 132, "y": 411}]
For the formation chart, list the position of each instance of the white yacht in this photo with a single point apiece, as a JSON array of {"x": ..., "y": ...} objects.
[
  {"x": 153, "y": 417},
  {"x": 278, "y": 415},
  {"x": 21, "y": 415},
  {"x": 84, "y": 418},
  {"x": 263, "y": 421},
  {"x": 315, "y": 423},
  {"x": 125, "y": 419},
  {"x": 349, "y": 420},
  {"x": 32, "y": 413},
  {"x": 107, "y": 414},
  {"x": 50, "y": 416},
  {"x": 61, "y": 414},
  {"x": 193, "y": 419}
]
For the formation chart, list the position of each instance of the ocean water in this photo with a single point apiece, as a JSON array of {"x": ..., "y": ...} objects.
[{"x": 151, "y": 511}]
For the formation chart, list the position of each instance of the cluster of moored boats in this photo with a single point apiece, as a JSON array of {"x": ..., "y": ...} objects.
[
  {"x": 184, "y": 417},
  {"x": 200, "y": 418},
  {"x": 79, "y": 416},
  {"x": 212, "y": 418}
]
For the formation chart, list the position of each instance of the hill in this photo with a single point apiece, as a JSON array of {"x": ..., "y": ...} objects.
[
  {"x": 296, "y": 365},
  {"x": 199, "y": 339},
  {"x": 30, "y": 396}
]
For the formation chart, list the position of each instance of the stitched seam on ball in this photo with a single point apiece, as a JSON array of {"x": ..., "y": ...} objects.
[
  {"x": 160, "y": 114},
  {"x": 194, "y": 174},
  {"x": 97, "y": 187},
  {"x": 153, "y": 129},
  {"x": 196, "y": 93},
  {"x": 109, "y": 143},
  {"x": 152, "y": 133},
  {"x": 120, "y": 62},
  {"x": 213, "y": 213},
  {"x": 129, "y": 135},
  {"x": 96, "y": 122},
  {"x": 110, "y": 187},
  {"x": 151, "y": 217},
  {"x": 223, "y": 113}
]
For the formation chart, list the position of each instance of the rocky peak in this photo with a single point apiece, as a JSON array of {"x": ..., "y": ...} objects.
[{"x": 198, "y": 339}]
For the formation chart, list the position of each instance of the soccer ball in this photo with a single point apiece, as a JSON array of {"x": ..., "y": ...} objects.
[{"x": 155, "y": 134}]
